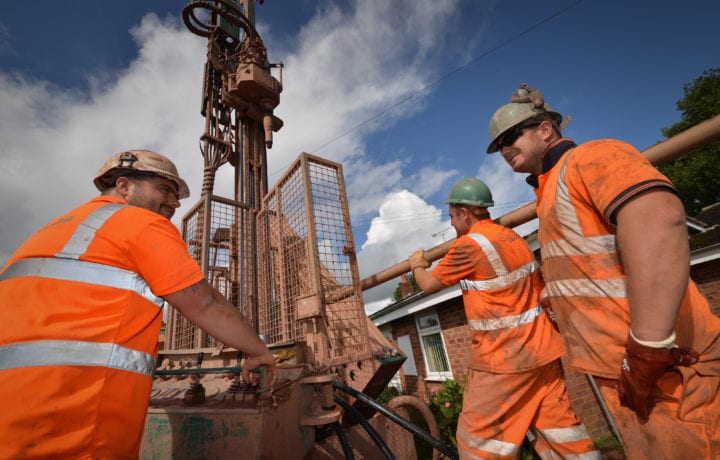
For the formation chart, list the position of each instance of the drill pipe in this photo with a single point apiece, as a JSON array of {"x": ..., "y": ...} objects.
[{"x": 660, "y": 153}]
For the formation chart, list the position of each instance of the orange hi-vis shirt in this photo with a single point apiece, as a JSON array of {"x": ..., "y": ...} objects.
[
  {"x": 81, "y": 314},
  {"x": 576, "y": 204},
  {"x": 500, "y": 282}
]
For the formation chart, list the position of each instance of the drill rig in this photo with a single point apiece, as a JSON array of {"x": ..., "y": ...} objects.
[{"x": 285, "y": 258}]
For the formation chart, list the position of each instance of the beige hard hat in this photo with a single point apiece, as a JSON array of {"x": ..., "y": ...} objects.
[
  {"x": 525, "y": 103},
  {"x": 139, "y": 161}
]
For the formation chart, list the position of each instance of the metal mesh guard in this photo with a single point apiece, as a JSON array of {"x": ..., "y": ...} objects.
[{"x": 304, "y": 229}]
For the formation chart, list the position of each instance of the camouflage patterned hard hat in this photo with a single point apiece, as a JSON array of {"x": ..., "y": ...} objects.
[
  {"x": 139, "y": 161},
  {"x": 525, "y": 103}
]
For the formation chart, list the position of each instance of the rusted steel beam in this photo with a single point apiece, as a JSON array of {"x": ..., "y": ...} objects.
[{"x": 660, "y": 153}]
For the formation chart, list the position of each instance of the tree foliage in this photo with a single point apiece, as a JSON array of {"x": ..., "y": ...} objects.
[
  {"x": 397, "y": 295},
  {"x": 697, "y": 174}
]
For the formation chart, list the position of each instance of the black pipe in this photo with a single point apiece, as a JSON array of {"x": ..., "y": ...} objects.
[
  {"x": 199, "y": 370},
  {"x": 365, "y": 424},
  {"x": 349, "y": 455},
  {"x": 411, "y": 427}
]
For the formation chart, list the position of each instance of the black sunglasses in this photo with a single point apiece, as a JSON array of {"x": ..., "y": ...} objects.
[{"x": 514, "y": 134}]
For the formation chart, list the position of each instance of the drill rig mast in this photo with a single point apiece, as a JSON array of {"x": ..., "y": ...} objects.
[
  {"x": 238, "y": 99},
  {"x": 282, "y": 257}
]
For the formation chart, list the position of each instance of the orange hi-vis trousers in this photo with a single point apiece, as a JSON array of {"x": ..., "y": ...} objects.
[
  {"x": 499, "y": 410},
  {"x": 665, "y": 435}
]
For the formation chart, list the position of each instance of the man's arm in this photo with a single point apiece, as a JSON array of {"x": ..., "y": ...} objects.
[
  {"x": 212, "y": 312},
  {"x": 653, "y": 245},
  {"x": 423, "y": 278}
]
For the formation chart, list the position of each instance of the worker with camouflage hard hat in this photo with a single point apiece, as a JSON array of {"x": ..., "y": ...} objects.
[
  {"x": 140, "y": 162},
  {"x": 527, "y": 107},
  {"x": 614, "y": 245},
  {"x": 515, "y": 382},
  {"x": 82, "y": 306}
]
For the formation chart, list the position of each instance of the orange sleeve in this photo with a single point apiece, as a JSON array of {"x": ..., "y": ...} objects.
[
  {"x": 162, "y": 259},
  {"x": 464, "y": 260},
  {"x": 611, "y": 173}
]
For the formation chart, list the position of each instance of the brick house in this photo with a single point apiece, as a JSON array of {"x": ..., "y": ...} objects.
[
  {"x": 432, "y": 329},
  {"x": 705, "y": 253}
]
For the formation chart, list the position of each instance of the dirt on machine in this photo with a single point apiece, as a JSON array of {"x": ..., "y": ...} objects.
[{"x": 285, "y": 257}]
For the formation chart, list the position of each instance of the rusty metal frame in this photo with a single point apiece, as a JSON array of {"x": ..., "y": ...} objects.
[
  {"x": 211, "y": 230},
  {"x": 305, "y": 239}
]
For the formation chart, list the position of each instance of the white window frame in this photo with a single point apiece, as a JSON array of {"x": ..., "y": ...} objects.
[{"x": 425, "y": 331}]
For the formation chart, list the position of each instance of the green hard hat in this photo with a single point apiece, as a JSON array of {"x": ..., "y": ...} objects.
[
  {"x": 472, "y": 192},
  {"x": 525, "y": 103}
]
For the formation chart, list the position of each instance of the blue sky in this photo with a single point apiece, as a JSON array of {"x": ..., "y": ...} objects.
[{"x": 400, "y": 92}]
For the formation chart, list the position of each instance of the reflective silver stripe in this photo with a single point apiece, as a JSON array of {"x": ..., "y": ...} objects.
[
  {"x": 75, "y": 353},
  {"x": 487, "y": 445},
  {"x": 575, "y": 242},
  {"x": 500, "y": 281},
  {"x": 82, "y": 272},
  {"x": 555, "y": 436},
  {"x": 490, "y": 252},
  {"x": 506, "y": 322},
  {"x": 591, "y": 245},
  {"x": 583, "y": 287},
  {"x": 563, "y": 205},
  {"x": 592, "y": 455},
  {"x": 85, "y": 232},
  {"x": 565, "y": 435}
]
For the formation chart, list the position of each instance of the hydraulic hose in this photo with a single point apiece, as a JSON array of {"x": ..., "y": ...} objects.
[
  {"x": 347, "y": 450},
  {"x": 365, "y": 424},
  {"x": 411, "y": 427},
  {"x": 409, "y": 401}
]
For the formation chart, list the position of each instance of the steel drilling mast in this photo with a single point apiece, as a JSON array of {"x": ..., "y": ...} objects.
[
  {"x": 284, "y": 257},
  {"x": 239, "y": 95}
]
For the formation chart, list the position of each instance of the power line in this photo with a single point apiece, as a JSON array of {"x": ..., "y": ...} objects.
[
  {"x": 446, "y": 76},
  {"x": 451, "y": 73}
]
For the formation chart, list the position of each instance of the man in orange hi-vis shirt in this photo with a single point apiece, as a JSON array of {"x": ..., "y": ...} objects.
[
  {"x": 515, "y": 384},
  {"x": 616, "y": 263},
  {"x": 81, "y": 313}
]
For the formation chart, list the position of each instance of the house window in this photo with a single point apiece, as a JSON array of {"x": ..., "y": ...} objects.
[{"x": 437, "y": 363}]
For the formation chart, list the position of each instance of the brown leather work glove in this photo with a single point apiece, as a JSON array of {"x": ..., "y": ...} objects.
[
  {"x": 642, "y": 367},
  {"x": 417, "y": 259}
]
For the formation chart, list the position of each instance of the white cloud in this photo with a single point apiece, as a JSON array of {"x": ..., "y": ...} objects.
[
  {"x": 428, "y": 181},
  {"x": 349, "y": 67},
  {"x": 405, "y": 224},
  {"x": 54, "y": 141}
]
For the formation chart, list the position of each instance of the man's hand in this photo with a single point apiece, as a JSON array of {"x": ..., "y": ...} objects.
[
  {"x": 253, "y": 362},
  {"x": 643, "y": 366},
  {"x": 417, "y": 259}
]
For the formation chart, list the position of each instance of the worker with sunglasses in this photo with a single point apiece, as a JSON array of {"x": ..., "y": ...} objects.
[{"x": 616, "y": 263}]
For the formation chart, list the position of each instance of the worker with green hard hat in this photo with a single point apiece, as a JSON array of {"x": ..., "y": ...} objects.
[
  {"x": 472, "y": 192},
  {"x": 515, "y": 382}
]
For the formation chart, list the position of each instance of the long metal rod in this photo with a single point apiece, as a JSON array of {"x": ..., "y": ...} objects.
[
  {"x": 663, "y": 152},
  {"x": 604, "y": 408}
]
